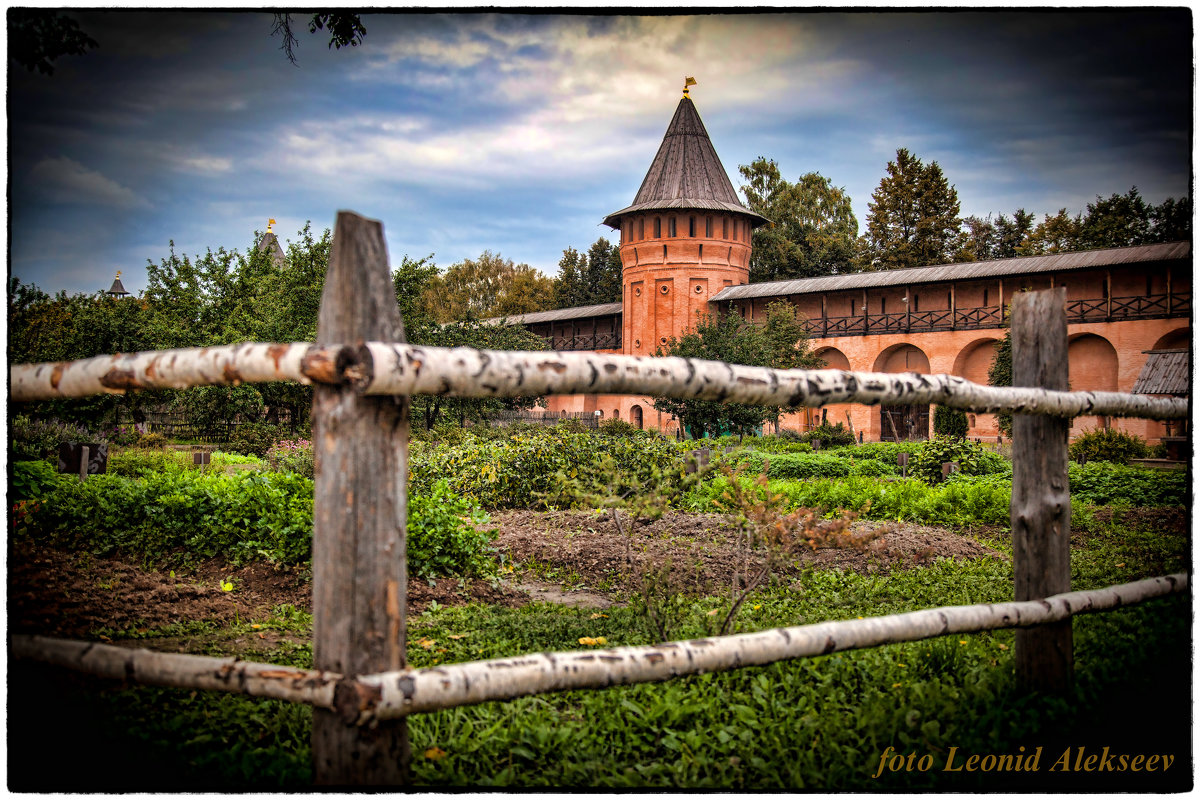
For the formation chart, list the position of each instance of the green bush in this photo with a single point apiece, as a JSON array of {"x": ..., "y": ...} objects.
[
  {"x": 1104, "y": 483},
  {"x": 973, "y": 459},
  {"x": 255, "y": 438},
  {"x": 1108, "y": 444},
  {"x": 444, "y": 537},
  {"x": 878, "y": 451},
  {"x": 830, "y": 435},
  {"x": 777, "y": 444},
  {"x": 135, "y": 462},
  {"x": 292, "y": 455},
  {"x": 151, "y": 441},
  {"x": 871, "y": 467},
  {"x": 523, "y": 471},
  {"x": 950, "y": 422},
  {"x": 953, "y": 503},
  {"x": 34, "y": 440},
  {"x": 246, "y": 516},
  {"x": 616, "y": 426},
  {"x": 33, "y": 479}
]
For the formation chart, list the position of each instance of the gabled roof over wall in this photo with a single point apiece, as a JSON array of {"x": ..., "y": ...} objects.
[
  {"x": 972, "y": 270},
  {"x": 1165, "y": 372},
  {"x": 686, "y": 173}
]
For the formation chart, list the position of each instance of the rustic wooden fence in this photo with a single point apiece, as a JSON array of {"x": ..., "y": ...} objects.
[{"x": 363, "y": 374}]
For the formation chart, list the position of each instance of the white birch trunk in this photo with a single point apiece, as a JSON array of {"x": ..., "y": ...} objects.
[
  {"x": 312, "y": 687},
  {"x": 401, "y": 369},
  {"x": 396, "y": 694}
]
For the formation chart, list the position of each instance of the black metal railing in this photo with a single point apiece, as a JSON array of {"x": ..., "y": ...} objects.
[
  {"x": 590, "y": 341},
  {"x": 1177, "y": 304}
]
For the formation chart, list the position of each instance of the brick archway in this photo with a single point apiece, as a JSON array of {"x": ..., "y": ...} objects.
[
  {"x": 973, "y": 363},
  {"x": 1175, "y": 340},
  {"x": 1092, "y": 366},
  {"x": 903, "y": 423}
]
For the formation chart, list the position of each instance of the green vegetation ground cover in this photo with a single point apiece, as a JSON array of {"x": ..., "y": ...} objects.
[{"x": 817, "y": 723}]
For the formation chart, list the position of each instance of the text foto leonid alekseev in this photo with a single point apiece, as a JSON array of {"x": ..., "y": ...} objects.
[{"x": 1071, "y": 759}]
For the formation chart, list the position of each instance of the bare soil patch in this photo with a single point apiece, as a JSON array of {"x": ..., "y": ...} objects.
[
  {"x": 57, "y": 593},
  {"x": 588, "y": 552},
  {"x": 581, "y": 559}
]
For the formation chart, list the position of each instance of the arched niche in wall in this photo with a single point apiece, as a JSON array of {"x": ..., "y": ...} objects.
[
  {"x": 1092, "y": 364},
  {"x": 975, "y": 359},
  {"x": 834, "y": 358},
  {"x": 902, "y": 358},
  {"x": 635, "y": 416},
  {"x": 1180, "y": 339},
  {"x": 903, "y": 423}
]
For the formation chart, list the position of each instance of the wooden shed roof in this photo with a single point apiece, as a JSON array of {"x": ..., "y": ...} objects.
[
  {"x": 1165, "y": 372},
  {"x": 972, "y": 270},
  {"x": 686, "y": 173}
]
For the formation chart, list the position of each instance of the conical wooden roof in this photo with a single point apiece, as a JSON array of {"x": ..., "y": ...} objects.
[{"x": 686, "y": 173}]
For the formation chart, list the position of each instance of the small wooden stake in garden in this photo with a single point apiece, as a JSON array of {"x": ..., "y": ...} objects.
[
  {"x": 360, "y": 583},
  {"x": 1041, "y": 500}
]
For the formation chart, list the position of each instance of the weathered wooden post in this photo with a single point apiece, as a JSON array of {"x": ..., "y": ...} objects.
[
  {"x": 360, "y": 582},
  {"x": 1040, "y": 512}
]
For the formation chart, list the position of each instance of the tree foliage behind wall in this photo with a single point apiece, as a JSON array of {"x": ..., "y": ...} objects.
[
  {"x": 591, "y": 278},
  {"x": 812, "y": 230},
  {"x": 779, "y": 341},
  {"x": 226, "y": 297}
]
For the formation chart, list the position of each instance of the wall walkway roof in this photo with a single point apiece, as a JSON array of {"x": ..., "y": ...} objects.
[
  {"x": 579, "y": 312},
  {"x": 973, "y": 270}
]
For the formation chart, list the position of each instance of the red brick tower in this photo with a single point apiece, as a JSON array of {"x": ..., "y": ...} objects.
[{"x": 685, "y": 237}]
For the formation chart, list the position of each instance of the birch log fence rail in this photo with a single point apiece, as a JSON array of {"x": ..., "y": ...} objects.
[{"x": 361, "y": 690}]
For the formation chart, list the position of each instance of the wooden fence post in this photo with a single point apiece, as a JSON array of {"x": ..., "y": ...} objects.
[
  {"x": 1040, "y": 512},
  {"x": 360, "y": 583}
]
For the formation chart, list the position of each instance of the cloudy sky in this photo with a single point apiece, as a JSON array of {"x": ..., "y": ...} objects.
[{"x": 519, "y": 133}]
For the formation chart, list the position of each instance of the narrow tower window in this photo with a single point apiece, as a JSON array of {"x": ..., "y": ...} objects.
[
  {"x": 724, "y": 227},
  {"x": 641, "y": 229},
  {"x": 658, "y": 227},
  {"x": 664, "y": 254},
  {"x": 701, "y": 252},
  {"x": 691, "y": 226},
  {"x": 671, "y": 227},
  {"x": 708, "y": 227},
  {"x": 985, "y": 298}
]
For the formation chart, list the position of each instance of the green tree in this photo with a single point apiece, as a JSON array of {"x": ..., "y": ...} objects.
[
  {"x": 485, "y": 336},
  {"x": 591, "y": 278},
  {"x": 488, "y": 286},
  {"x": 1012, "y": 233},
  {"x": 913, "y": 218},
  {"x": 1054, "y": 234},
  {"x": 780, "y": 342},
  {"x": 602, "y": 278},
  {"x": 37, "y": 37},
  {"x": 978, "y": 241},
  {"x": 568, "y": 285},
  {"x": 1000, "y": 373},
  {"x": 1116, "y": 221},
  {"x": 813, "y": 227}
]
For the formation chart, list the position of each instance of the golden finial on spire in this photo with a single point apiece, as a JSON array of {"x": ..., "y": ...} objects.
[
  {"x": 118, "y": 274},
  {"x": 686, "y": 83},
  {"x": 270, "y": 222}
]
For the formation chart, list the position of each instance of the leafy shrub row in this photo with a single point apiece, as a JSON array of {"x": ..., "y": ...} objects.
[
  {"x": 34, "y": 440},
  {"x": 803, "y": 466},
  {"x": 246, "y": 516},
  {"x": 527, "y": 470},
  {"x": 1108, "y": 444},
  {"x": 910, "y": 500},
  {"x": 1102, "y": 483}
]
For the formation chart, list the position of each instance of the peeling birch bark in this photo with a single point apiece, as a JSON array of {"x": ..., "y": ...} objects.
[
  {"x": 312, "y": 687},
  {"x": 452, "y": 685},
  {"x": 396, "y": 694},
  {"x": 176, "y": 369},
  {"x": 379, "y": 368}
]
